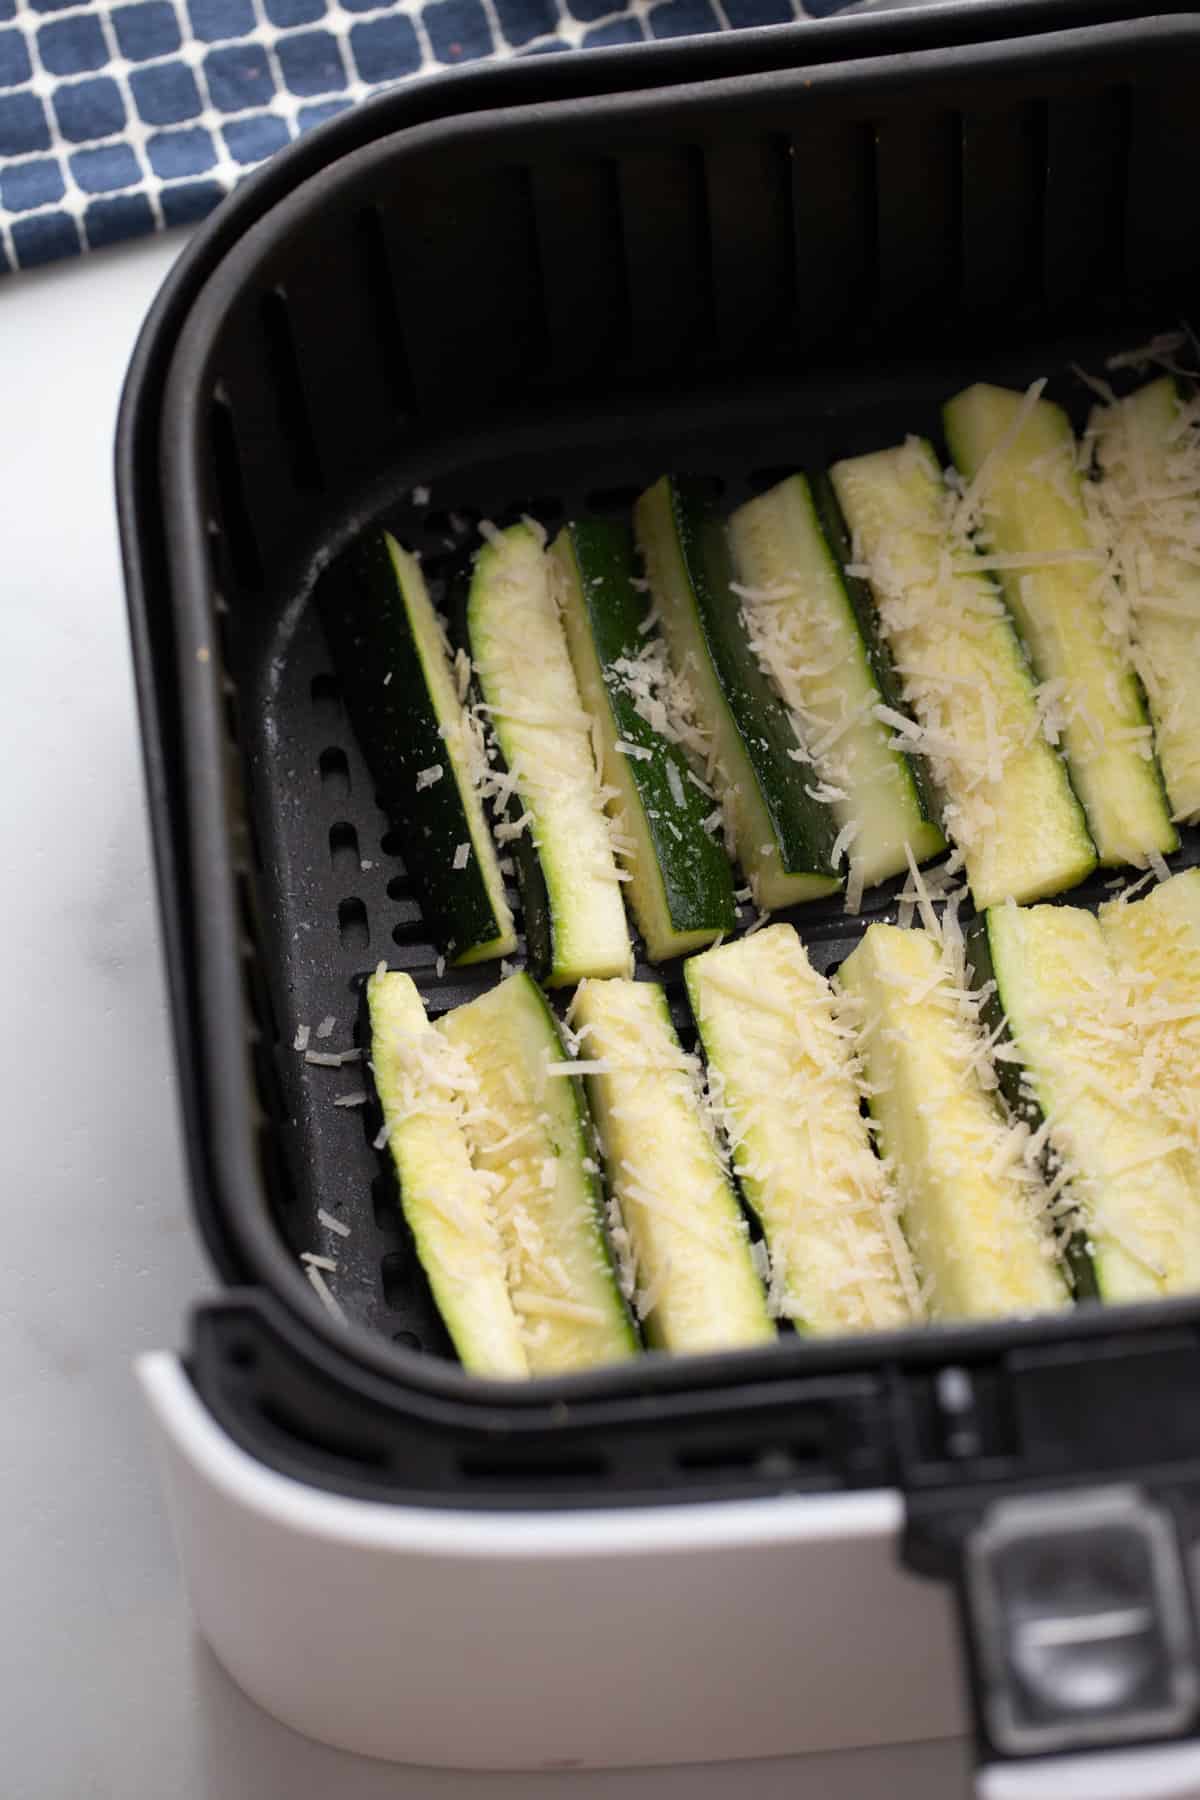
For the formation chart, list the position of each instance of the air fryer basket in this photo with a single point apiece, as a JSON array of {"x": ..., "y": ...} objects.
[{"x": 540, "y": 306}]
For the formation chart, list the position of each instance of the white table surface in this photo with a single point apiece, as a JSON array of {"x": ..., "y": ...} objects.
[{"x": 105, "y": 1691}]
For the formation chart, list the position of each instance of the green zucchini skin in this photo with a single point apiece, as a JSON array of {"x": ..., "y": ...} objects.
[
  {"x": 866, "y": 617},
  {"x": 536, "y": 915},
  {"x": 804, "y": 828},
  {"x": 370, "y": 635},
  {"x": 695, "y": 873},
  {"x": 1078, "y": 1263}
]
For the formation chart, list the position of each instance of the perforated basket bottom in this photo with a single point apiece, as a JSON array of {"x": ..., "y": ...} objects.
[{"x": 338, "y": 899}]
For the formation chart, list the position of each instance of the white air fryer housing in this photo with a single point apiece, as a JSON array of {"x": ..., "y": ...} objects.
[{"x": 680, "y": 1633}]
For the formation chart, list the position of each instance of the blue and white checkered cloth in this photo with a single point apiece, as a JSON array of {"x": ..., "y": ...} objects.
[{"x": 118, "y": 119}]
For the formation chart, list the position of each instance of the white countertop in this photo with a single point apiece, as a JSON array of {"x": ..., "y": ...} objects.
[{"x": 105, "y": 1692}]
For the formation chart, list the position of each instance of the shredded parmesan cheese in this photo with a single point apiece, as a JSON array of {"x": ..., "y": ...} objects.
[
  {"x": 324, "y": 1293},
  {"x": 842, "y": 842}
]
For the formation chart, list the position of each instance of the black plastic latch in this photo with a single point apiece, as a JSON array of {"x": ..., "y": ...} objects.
[
  {"x": 1077, "y": 1613},
  {"x": 1078, "y": 1607}
]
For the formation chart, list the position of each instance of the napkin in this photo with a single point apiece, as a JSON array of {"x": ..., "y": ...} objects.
[{"x": 122, "y": 119}]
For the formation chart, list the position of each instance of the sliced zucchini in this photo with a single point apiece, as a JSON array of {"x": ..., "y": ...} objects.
[
  {"x": 447, "y": 1203},
  {"x": 1149, "y": 498},
  {"x": 1014, "y": 1086},
  {"x": 1155, "y": 944},
  {"x": 819, "y": 640},
  {"x": 685, "y": 1241},
  {"x": 1019, "y": 458},
  {"x": 782, "y": 1070},
  {"x": 390, "y": 653},
  {"x": 528, "y": 1134},
  {"x": 1007, "y": 799},
  {"x": 524, "y": 670},
  {"x": 784, "y": 837},
  {"x": 976, "y": 1222},
  {"x": 681, "y": 885},
  {"x": 1070, "y": 1026}
]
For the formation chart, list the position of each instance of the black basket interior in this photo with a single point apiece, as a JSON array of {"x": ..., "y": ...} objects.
[{"x": 541, "y": 310}]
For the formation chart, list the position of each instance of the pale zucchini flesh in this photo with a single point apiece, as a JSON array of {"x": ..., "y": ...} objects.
[
  {"x": 524, "y": 669},
  {"x": 528, "y": 1133},
  {"x": 680, "y": 887},
  {"x": 782, "y": 1068},
  {"x": 1058, "y": 986},
  {"x": 447, "y": 1203},
  {"x": 974, "y": 1218},
  {"x": 685, "y": 1241},
  {"x": 1149, "y": 502},
  {"x": 1019, "y": 458},
  {"x": 784, "y": 837},
  {"x": 1008, "y": 802},
  {"x": 824, "y": 659},
  {"x": 1155, "y": 946}
]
